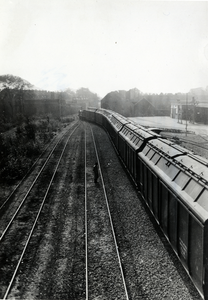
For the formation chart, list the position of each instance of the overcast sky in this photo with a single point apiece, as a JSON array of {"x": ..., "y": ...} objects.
[{"x": 106, "y": 45}]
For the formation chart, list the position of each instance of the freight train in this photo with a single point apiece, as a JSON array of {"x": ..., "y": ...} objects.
[{"x": 173, "y": 183}]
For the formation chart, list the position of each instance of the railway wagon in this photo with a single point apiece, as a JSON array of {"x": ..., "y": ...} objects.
[
  {"x": 126, "y": 135},
  {"x": 89, "y": 114},
  {"x": 106, "y": 118},
  {"x": 114, "y": 125},
  {"x": 154, "y": 150},
  {"x": 102, "y": 116},
  {"x": 174, "y": 184},
  {"x": 176, "y": 192},
  {"x": 132, "y": 139},
  {"x": 99, "y": 117}
]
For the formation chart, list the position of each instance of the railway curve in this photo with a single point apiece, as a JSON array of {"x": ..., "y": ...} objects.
[{"x": 54, "y": 264}]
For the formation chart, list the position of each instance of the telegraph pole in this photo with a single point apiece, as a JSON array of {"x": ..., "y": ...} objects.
[
  {"x": 186, "y": 113},
  {"x": 178, "y": 110}
]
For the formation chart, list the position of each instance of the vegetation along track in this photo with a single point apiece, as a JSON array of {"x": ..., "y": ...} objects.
[
  {"x": 21, "y": 217},
  {"x": 35, "y": 168}
]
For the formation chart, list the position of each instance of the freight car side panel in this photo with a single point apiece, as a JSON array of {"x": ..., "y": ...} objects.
[
  {"x": 196, "y": 237},
  {"x": 203, "y": 199},
  {"x": 117, "y": 124},
  {"x": 122, "y": 148},
  {"x": 99, "y": 118},
  {"x": 185, "y": 233},
  {"x": 180, "y": 219},
  {"x": 173, "y": 219},
  {"x": 155, "y": 193},
  {"x": 163, "y": 209}
]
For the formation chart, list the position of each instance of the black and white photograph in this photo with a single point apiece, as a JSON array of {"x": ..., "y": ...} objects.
[{"x": 103, "y": 150}]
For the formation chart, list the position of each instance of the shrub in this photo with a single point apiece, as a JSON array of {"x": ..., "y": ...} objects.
[{"x": 18, "y": 151}]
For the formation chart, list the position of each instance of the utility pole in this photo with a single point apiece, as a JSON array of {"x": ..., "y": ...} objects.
[
  {"x": 186, "y": 113},
  {"x": 193, "y": 100},
  {"x": 194, "y": 107},
  {"x": 178, "y": 109}
]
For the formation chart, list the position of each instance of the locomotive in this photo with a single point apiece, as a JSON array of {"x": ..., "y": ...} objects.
[{"x": 173, "y": 183}]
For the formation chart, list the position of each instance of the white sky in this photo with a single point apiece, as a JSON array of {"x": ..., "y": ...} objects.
[{"x": 106, "y": 45}]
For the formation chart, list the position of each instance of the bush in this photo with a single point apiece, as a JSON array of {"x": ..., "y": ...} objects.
[{"x": 18, "y": 151}]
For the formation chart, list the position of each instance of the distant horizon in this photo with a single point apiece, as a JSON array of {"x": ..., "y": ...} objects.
[
  {"x": 158, "y": 46},
  {"x": 74, "y": 90}
]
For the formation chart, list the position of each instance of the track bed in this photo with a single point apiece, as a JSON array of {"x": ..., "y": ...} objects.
[{"x": 54, "y": 266}]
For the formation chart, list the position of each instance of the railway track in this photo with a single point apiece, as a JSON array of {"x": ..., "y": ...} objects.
[
  {"x": 20, "y": 218},
  {"x": 72, "y": 253},
  {"x": 203, "y": 145},
  {"x": 103, "y": 261},
  {"x": 37, "y": 165},
  {"x": 198, "y": 144}
]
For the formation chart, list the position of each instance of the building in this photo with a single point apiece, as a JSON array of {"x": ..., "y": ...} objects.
[{"x": 190, "y": 110}]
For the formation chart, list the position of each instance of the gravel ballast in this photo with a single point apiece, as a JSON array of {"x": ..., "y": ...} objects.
[{"x": 54, "y": 265}]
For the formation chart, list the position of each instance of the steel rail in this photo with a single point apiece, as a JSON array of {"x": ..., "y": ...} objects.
[
  {"x": 199, "y": 145},
  {"x": 110, "y": 218},
  {"x": 36, "y": 220},
  {"x": 28, "y": 172},
  {"x": 29, "y": 190}
]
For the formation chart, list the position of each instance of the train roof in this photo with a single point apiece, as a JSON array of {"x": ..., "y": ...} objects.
[
  {"x": 163, "y": 147},
  {"x": 197, "y": 187},
  {"x": 117, "y": 121},
  {"x": 92, "y": 108},
  {"x": 193, "y": 165},
  {"x": 104, "y": 111},
  {"x": 135, "y": 135},
  {"x": 184, "y": 174},
  {"x": 130, "y": 126}
]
